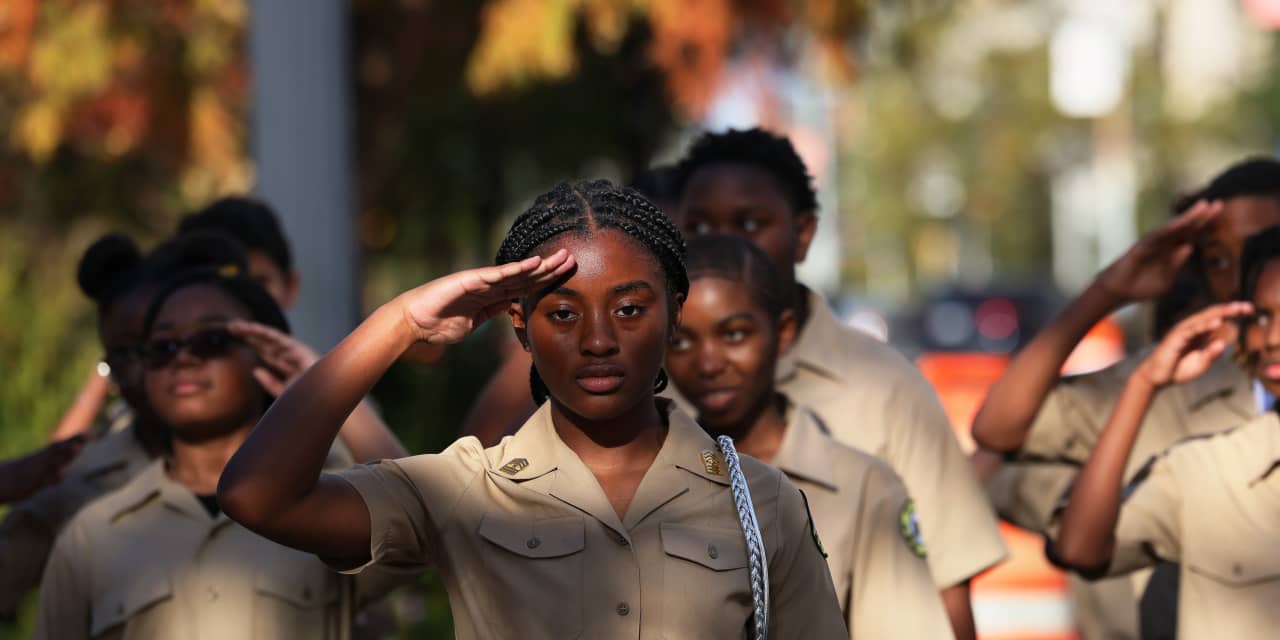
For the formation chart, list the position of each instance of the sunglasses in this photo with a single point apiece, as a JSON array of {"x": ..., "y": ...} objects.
[{"x": 210, "y": 343}]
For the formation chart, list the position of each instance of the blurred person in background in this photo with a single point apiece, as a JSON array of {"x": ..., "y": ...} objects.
[
  {"x": 1209, "y": 502},
  {"x": 503, "y": 404},
  {"x": 157, "y": 558},
  {"x": 1045, "y": 426},
  {"x": 753, "y": 184},
  {"x": 736, "y": 322},
  {"x": 21, "y": 477}
]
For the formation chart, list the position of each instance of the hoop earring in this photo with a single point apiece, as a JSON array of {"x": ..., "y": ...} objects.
[{"x": 661, "y": 383}]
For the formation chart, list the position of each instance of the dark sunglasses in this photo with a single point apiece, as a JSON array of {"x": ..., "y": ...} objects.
[{"x": 210, "y": 343}]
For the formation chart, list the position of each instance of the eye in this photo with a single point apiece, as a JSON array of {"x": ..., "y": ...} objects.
[
  {"x": 1260, "y": 319},
  {"x": 629, "y": 311},
  {"x": 562, "y": 315},
  {"x": 734, "y": 336},
  {"x": 1217, "y": 263},
  {"x": 680, "y": 343},
  {"x": 750, "y": 225},
  {"x": 701, "y": 228}
]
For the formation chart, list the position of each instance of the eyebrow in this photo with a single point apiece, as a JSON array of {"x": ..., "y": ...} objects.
[
  {"x": 741, "y": 315},
  {"x": 634, "y": 285},
  {"x": 205, "y": 319}
]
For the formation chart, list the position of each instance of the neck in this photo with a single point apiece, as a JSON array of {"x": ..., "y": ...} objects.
[
  {"x": 760, "y": 434},
  {"x": 801, "y": 306},
  {"x": 630, "y": 440},
  {"x": 197, "y": 464}
]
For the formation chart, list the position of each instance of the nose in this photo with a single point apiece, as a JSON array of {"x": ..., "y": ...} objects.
[
  {"x": 184, "y": 357},
  {"x": 1271, "y": 335},
  {"x": 598, "y": 336},
  {"x": 710, "y": 361}
]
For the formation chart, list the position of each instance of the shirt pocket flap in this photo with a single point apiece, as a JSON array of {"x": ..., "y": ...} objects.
[
  {"x": 550, "y": 538},
  {"x": 122, "y": 602},
  {"x": 716, "y": 549},
  {"x": 1236, "y": 565},
  {"x": 304, "y": 587}
]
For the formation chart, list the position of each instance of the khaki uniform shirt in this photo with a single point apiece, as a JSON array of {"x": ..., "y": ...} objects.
[
  {"x": 1030, "y": 489},
  {"x": 873, "y": 399},
  {"x": 148, "y": 561},
  {"x": 29, "y": 529},
  {"x": 529, "y": 546},
  {"x": 866, "y": 522},
  {"x": 1212, "y": 504}
]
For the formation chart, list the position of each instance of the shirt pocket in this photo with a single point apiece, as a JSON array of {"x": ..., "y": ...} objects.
[
  {"x": 533, "y": 578},
  {"x": 706, "y": 585},
  {"x": 296, "y": 597},
  {"x": 124, "y": 607},
  {"x": 1238, "y": 566}
]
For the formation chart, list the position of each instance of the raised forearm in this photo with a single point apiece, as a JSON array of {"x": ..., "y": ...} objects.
[
  {"x": 279, "y": 464},
  {"x": 1005, "y": 418},
  {"x": 1087, "y": 535}
]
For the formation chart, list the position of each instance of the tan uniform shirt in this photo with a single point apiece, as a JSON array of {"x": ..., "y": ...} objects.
[
  {"x": 1030, "y": 490},
  {"x": 529, "y": 546},
  {"x": 874, "y": 400},
  {"x": 866, "y": 523},
  {"x": 148, "y": 561},
  {"x": 29, "y": 529},
  {"x": 1212, "y": 504}
]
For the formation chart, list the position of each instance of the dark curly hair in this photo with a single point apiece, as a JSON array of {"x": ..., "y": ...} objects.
[
  {"x": 1256, "y": 176},
  {"x": 758, "y": 148},
  {"x": 583, "y": 208}
]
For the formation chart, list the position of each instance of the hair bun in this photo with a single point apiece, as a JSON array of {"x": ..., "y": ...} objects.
[{"x": 107, "y": 265}]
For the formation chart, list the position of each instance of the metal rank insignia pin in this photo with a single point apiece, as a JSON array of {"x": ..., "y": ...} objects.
[
  {"x": 711, "y": 464},
  {"x": 514, "y": 466}
]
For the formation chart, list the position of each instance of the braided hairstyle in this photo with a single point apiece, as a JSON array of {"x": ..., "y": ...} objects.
[
  {"x": 584, "y": 208},
  {"x": 758, "y": 148}
]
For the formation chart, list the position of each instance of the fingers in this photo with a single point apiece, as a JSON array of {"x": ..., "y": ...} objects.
[
  {"x": 279, "y": 349},
  {"x": 1208, "y": 320},
  {"x": 269, "y": 382},
  {"x": 1195, "y": 219}
]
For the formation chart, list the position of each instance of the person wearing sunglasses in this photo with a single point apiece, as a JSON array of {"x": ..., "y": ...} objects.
[{"x": 112, "y": 568}]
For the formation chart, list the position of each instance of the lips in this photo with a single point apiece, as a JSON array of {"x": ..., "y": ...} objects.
[
  {"x": 1271, "y": 369},
  {"x": 600, "y": 379},
  {"x": 184, "y": 387},
  {"x": 717, "y": 400}
]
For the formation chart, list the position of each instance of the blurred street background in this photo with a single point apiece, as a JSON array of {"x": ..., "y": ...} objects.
[{"x": 977, "y": 161}]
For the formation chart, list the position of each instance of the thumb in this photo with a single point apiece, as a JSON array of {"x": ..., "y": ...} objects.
[
  {"x": 1179, "y": 256},
  {"x": 270, "y": 383}
]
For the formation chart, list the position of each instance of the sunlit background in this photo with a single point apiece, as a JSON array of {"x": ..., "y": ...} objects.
[{"x": 976, "y": 160}]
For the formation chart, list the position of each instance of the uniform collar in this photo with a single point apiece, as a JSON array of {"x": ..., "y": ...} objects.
[
  {"x": 806, "y": 449},
  {"x": 536, "y": 450},
  {"x": 153, "y": 483},
  {"x": 1224, "y": 379},
  {"x": 819, "y": 344}
]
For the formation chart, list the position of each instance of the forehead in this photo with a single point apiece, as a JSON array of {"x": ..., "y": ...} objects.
[
  {"x": 1268, "y": 286},
  {"x": 1244, "y": 216},
  {"x": 719, "y": 296},
  {"x": 734, "y": 182},
  {"x": 606, "y": 257},
  {"x": 196, "y": 303}
]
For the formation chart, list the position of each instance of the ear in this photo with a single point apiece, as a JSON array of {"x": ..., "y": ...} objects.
[
  {"x": 786, "y": 330},
  {"x": 293, "y": 286},
  {"x": 516, "y": 313},
  {"x": 677, "y": 313},
  {"x": 806, "y": 226}
]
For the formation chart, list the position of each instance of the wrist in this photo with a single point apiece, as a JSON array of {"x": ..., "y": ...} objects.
[
  {"x": 398, "y": 324},
  {"x": 1145, "y": 381},
  {"x": 1102, "y": 297}
]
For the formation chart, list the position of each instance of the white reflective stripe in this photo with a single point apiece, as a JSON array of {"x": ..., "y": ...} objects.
[{"x": 1022, "y": 614}]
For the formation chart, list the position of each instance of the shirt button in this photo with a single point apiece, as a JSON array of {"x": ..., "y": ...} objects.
[
  {"x": 533, "y": 543},
  {"x": 712, "y": 552},
  {"x": 213, "y": 594},
  {"x": 623, "y": 609}
]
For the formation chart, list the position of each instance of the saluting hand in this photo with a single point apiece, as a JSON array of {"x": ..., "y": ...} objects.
[
  {"x": 448, "y": 309},
  {"x": 284, "y": 357},
  {"x": 1150, "y": 266},
  {"x": 1190, "y": 347}
]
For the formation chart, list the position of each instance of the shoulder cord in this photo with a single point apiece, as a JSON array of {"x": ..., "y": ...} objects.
[{"x": 757, "y": 561}]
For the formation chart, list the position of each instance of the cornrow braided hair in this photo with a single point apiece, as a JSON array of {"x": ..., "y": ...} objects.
[
  {"x": 589, "y": 206},
  {"x": 758, "y": 148}
]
